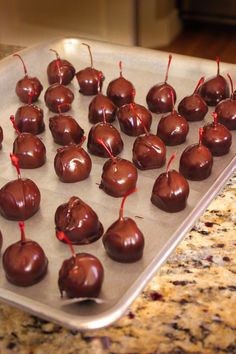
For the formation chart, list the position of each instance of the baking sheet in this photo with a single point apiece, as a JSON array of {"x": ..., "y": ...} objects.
[{"x": 162, "y": 231}]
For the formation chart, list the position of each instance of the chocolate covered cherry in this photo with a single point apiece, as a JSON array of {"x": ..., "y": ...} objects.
[
  {"x": 66, "y": 74},
  {"x": 29, "y": 149},
  {"x": 119, "y": 176},
  {"x": 123, "y": 240},
  {"x": 72, "y": 163},
  {"x": 1, "y": 137},
  {"x": 28, "y": 84},
  {"x": 170, "y": 191},
  {"x": 173, "y": 128},
  {"x": 226, "y": 109},
  {"x": 29, "y": 118},
  {"x": 215, "y": 89},
  {"x": 20, "y": 198},
  {"x": 24, "y": 262},
  {"x": 120, "y": 90},
  {"x": 193, "y": 107},
  {"x": 159, "y": 96},
  {"x": 149, "y": 151},
  {"x": 58, "y": 95},
  {"x": 216, "y": 137},
  {"x": 89, "y": 79},
  {"x": 196, "y": 161},
  {"x": 108, "y": 134},
  {"x": 65, "y": 130},
  {"x": 78, "y": 221},
  {"x": 129, "y": 123},
  {"x": 99, "y": 104}
]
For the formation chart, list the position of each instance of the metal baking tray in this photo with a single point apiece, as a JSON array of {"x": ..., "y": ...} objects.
[{"x": 163, "y": 231}]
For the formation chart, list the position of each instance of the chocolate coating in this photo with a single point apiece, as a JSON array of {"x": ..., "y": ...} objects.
[
  {"x": 1, "y": 137},
  {"x": 196, "y": 162},
  {"x": 72, "y": 164},
  {"x": 124, "y": 241},
  {"x": 217, "y": 138},
  {"x": 149, "y": 152},
  {"x": 109, "y": 135},
  {"x": 1, "y": 240},
  {"x": 65, "y": 130},
  {"x": 30, "y": 150},
  {"x": 170, "y": 192},
  {"x": 66, "y": 75},
  {"x": 119, "y": 176},
  {"x": 81, "y": 276},
  {"x": 193, "y": 108},
  {"x": 173, "y": 129},
  {"x": 89, "y": 80},
  {"x": 19, "y": 199},
  {"x": 214, "y": 90},
  {"x": 29, "y": 119},
  {"x": 96, "y": 107},
  {"x": 226, "y": 113},
  {"x": 159, "y": 98},
  {"x": 58, "y": 98},
  {"x": 120, "y": 91},
  {"x": 25, "y": 263},
  {"x": 78, "y": 221},
  {"x": 27, "y": 85},
  {"x": 129, "y": 123}
]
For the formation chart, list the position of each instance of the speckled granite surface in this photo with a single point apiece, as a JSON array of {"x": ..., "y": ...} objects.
[{"x": 189, "y": 307}]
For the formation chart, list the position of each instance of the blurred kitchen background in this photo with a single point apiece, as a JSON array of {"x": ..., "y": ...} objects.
[{"x": 197, "y": 28}]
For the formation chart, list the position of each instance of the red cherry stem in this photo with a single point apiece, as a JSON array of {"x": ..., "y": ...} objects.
[
  {"x": 12, "y": 119},
  {"x": 121, "y": 213},
  {"x": 231, "y": 84},
  {"x": 57, "y": 55},
  {"x": 30, "y": 97},
  {"x": 172, "y": 100},
  {"x": 15, "y": 162},
  {"x": 100, "y": 141},
  {"x": 171, "y": 159},
  {"x": 200, "y": 135},
  {"x": 215, "y": 118},
  {"x": 90, "y": 54},
  {"x": 218, "y": 65},
  {"x": 62, "y": 237},
  {"x": 22, "y": 231},
  {"x": 23, "y": 63},
  {"x": 104, "y": 114},
  {"x": 140, "y": 119},
  {"x": 200, "y": 82},
  {"x": 58, "y": 62},
  {"x": 168, "y": 68},
  {"x": 120, "y": 66}
]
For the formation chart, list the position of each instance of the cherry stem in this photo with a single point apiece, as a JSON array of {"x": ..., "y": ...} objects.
[
  {"x": 58, "y": 61},
  {"x": 100, "y": 141},
  {"x": 200, "y": 135},
  {"x": 200, "y": 82},
  {"x": 90, "y": 54},
  {"x": 30, "y": 97},
  {"x": 231, "y": 84},
  {"x": 215, "y": 118},
  {"x": 25, "y": 70},
  {"x": 15, "y": 163},
  {"x": 104, "y": 114},
  {"x": 100, "y": 78},
  {"x": 12, "y": 119},
  {"x": 121, "y": 69},
  {"x": 172, "y": 100},
  {"x": 171, "y": 159},
  {"x": 57, "y": 55},
  {"x": 22, "y": 231},
  {"x": 168, "y": 68},
  {"x": 121, "y": 213},
  {"x": 140, "y": 119},
  {"x": 62, "y": 237},
  {"x": 218, "y": 65}
]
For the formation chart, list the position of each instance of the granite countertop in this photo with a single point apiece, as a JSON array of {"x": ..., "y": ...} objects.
[{"x": 188, "y": 307}]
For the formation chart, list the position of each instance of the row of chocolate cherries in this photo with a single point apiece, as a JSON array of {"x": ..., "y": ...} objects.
[{"x": 120, "y": 92}]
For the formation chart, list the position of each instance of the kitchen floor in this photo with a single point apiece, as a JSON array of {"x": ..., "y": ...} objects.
[{"x": 206, "y": 41}]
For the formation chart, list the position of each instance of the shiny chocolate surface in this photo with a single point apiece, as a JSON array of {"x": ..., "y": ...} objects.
[
  {"x": 99, "y": 104},
  {"x": 89, "y": 80},
  {"x": 120, "y": 91},
  {"x": 217, "y": 138},
  {"x": 29, "y": 119},
  {"x": 66, "y": 74},
  {"x": 173, "y": 129},
  {"x": 28, "y": 85},
  {"x": 159, "y": 98},
  {"x": 226, "y": 113},
  {"x": 58, "y": 98},
  {"x": 193, "y": 108},
  {"x": 65, "y": 130},
  {"x": 214, "y": 90}
]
